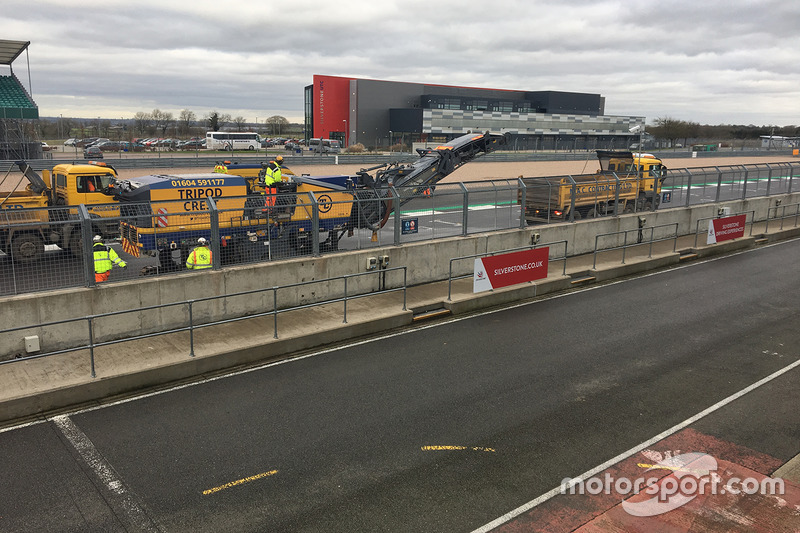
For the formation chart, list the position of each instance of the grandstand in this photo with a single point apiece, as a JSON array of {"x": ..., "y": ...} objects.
[{"x": 18, "y": 111}]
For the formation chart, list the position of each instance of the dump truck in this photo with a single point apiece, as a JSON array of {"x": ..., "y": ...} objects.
[
  {"x": 26, "y": 225},
  {"x": 286, "y": 220},
  {"x": 626, "y": 182}
]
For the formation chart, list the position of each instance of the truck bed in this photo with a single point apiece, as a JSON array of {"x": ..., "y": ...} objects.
[{"x": 22, "y": 199}]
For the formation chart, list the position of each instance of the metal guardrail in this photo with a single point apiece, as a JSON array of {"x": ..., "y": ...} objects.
[
  {"x": 450, "y": 276},
  {"x": 91, "y": 345},
  {"x": 639, "y": 240},
  {"x": 783, "y": 216},
  {"x": 752, "y": 219}
]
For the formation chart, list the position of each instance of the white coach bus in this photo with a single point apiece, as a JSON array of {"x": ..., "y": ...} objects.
[{"x": 228, "y": 140}]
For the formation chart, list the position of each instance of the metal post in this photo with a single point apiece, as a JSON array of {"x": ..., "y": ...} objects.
[
  {"x": 91, "y": 345},
  {"x": 86, "y": 239},
  {"x": 616, "y": 195},
  {"x": 345, "y": 301},
  {"x": 625, "y": 245},
  {"x": 522, "y": 194},
  {"x": 719, "y": 185},
  {"x": 688, "y": 188},
  {"x": 275, "y": 312},
  {"x": 652, "y": 236},
  {"x": 465, "y": 210},
  {"x": 744, "y": 185},
  {"x": 191, "y": 329},
  {"x": 769, "y": 179},
  {"x": 314, "y": 222},
  {"x": 405, "y": 286},
  {"x": 397, "y": 222},
  {"x": 216, "y": 260},
  {"x": 573, "y": 193}
]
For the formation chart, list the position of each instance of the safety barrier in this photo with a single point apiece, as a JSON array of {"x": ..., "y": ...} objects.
[
  {"x": 639, "y": 240},
  {"x": 694, "y": 186},
  {"x": 721, "y": 214},
  {"x": 156, "y": 239},
  {"x": 783, "y": 216},
  {"x": 192, "y": 326},
  {"x": 151, "y": 245},
  {"x": 450, "y": 276}
]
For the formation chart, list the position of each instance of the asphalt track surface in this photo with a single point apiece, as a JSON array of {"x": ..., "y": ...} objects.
[{"x": 439, "y": 428}]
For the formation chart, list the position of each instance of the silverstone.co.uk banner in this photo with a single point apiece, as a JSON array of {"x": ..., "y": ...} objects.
[
  {"x": 725, "y": 229},
  {"x": 495, "y": 271}
]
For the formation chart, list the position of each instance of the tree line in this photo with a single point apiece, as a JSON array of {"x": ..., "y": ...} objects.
[
  {"x": 675, "y": 130},
  {"x": 158, "y": 123}
]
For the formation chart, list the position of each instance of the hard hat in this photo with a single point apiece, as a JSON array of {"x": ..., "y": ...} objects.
[
  {"x": 201, "y": 241},
  {"x": 97, "y": 238},
  {"x": 279, "y": 159}
]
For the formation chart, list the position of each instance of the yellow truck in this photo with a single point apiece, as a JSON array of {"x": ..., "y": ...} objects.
[
  {"x": 26, "y": 223},
  {"x": 625, "y": 182}
]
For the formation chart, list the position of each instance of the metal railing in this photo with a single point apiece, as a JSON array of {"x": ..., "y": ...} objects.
[
  {"x": 639, "y": 240},
  {"x": 450, "y": 276},
  {"x": 448, "y": 210},
  {"x": 699, "y": 220},
  {"x": 784, "y": 216},
  {"x": 192, "y": 326}
]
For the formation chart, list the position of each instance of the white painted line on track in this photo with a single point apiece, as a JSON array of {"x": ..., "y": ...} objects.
[
  {"x": 626, "y": 454},
  {"x": 103, "y": 471}
]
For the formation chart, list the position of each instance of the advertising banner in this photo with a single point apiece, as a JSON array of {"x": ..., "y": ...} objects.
[
  {"x": 493, "y": 272},
  {"x": 725, "y": 228}
]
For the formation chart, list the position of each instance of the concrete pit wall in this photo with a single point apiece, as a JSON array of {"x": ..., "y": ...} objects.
[{"x": 426, "y": 262}]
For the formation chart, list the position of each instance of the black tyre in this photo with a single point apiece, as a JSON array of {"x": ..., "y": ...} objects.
[{"x": 27, "y": 247}]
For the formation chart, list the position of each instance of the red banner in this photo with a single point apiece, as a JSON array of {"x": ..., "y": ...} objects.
[
  {"x": 725, "y": 228},
  {"x": 497, "y": 271}
]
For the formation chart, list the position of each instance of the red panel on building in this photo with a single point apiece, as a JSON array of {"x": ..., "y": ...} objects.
[{"x": 331, "y": 100}]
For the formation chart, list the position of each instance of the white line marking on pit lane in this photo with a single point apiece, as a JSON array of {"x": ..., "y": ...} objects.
[
  {"x": 636, "y": 449},
  {"x": 103, "y": 470}
]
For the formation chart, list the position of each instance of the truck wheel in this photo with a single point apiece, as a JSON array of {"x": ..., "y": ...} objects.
[
  {"x": 592, "y": 213},
  {"x": 577, "y": 215},
  {"x": 27, "y": 247}
]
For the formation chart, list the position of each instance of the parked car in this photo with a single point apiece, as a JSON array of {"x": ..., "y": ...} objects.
[
  {"x": 97, "y": 142},
  {"x": 132, "y": 147},
  {"x": 109, "y": 146},
  {"x": 71, "y": 142},
  {"x": 46, "y": 147},
  {"x": 194, "y": 144},
  {"x": 92, "y": 152}
]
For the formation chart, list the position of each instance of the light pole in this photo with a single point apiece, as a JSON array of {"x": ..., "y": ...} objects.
[
  {"x": 390, "y": 141},
  {"x": 344, "y": 125}
]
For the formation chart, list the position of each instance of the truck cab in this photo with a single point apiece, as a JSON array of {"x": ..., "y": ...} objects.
[
  {"x": 65, "y": 186},
  {"x": 648, "y": 168},
  {"x": 91, "y": 184}
]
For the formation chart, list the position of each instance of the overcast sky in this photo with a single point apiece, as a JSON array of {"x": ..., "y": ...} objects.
[{"x": 709, "y": 61}]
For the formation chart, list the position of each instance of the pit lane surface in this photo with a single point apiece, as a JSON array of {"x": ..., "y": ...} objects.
[{"x": 442, "y": 428}]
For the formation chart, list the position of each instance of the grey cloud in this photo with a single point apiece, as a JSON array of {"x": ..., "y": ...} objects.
[{"x": 709, "y": 61}]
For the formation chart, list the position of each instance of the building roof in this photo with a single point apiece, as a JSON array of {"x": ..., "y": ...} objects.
[{"x": 10, "y": 50}]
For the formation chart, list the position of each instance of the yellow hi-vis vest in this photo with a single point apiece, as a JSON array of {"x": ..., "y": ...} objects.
[
  {"x": 105, "y": 258},
  {"x": 199, "y": 258},
  {"x": 273, "y": 174}
]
